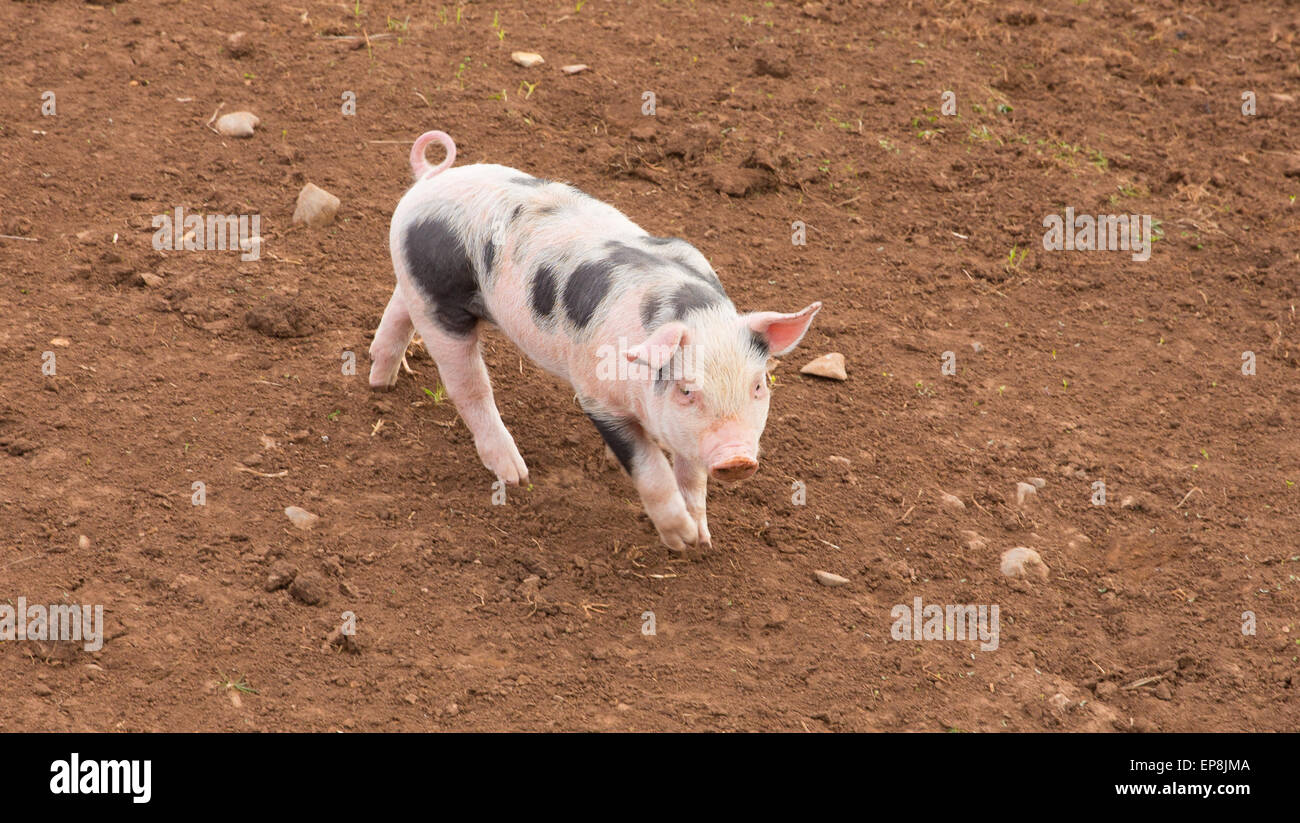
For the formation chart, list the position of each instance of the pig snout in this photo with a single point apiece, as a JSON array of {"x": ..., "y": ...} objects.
[
  {"x": 731, "y": 452},
  {"x": 733, "y": 469}
]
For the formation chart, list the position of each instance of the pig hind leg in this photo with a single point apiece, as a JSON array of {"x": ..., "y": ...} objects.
[
  {"x": 465, "y": 376},
  {"x": 388, "y": 349}
]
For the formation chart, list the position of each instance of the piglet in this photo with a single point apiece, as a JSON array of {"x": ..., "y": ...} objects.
[{"x": 639, "y": 325}]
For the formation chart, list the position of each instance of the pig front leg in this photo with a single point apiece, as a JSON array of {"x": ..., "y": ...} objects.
[
  {"x": 693, "y": 483},
  {"x": 653, "y": 478}
]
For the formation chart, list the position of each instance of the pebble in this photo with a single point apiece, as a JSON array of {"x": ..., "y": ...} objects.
[
  {"x": 1140, "y": 502},
  {"x": 951, "y": 502},
  {"x": 316, "y": 207},
  {"x": 83, "y": 542},
  {"x": 973, "y": 541},
  {"x": 1023, "y": 562},
  {"x": 527, "y": 59},
  {"x": 238, "y": 124},
  {"x": 828, "y": 579},
  {"x": 1037, "y": 482},
  {"x": 238, "y": 45},
  {"x": 830, "y": 366},
  {"x": 1023, "y": 491},
  {"x": 301, "y": 518},
  {"x": 843, "y": 467},
  {"x": 575, "y": 68}
]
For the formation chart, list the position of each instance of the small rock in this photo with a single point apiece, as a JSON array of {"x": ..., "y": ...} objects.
[
  {"x": 1024, "y": 491},
  {"x": 1023, "y": 562},
  {"x": 42, "y": 690},
  {"x": 978, "y": 347},
  {"x": 1059, "y": 702},
  {"x": 1037, "y": 482},
  {"x": 281, "y": 575},
  {"x": 828, "y": 579},
  {"x": 238, "y": 124},
  {"x": 830, "y": 366},
  {"x": 238, "y": 45},
  {"x": 1140, "y": 502},
  {"x": 61, "y": 342},
  {"x": 83, "y": 542},
  {"x": 316, "y": 207},
  {"x": 1076, "y": 539},
  {"x": 147, "y": 278},
  {"x": 309, "y": 588},
  {"x": 576, "y": 68},
  {"x": 974, "y": 542},
  {"x": 1105, "y": 690},
  {"x": 530, "y": 586},
  {"x": 1163, "y": 693},
  {"x": 301, "y": 518},
  {"x": 527, "y": 59},
  {"x": 951, "y": 502}
]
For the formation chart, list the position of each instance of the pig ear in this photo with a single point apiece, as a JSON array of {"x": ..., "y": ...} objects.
[
  {"x": 658, "y": 349},
  {"x": 782, "y": 331}
]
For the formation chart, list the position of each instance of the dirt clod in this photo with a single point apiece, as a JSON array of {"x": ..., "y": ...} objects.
[{"x": 309, "y": 588}]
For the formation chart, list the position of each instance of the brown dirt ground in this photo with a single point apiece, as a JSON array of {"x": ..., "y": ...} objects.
[{"x": 1093, "y": 367}]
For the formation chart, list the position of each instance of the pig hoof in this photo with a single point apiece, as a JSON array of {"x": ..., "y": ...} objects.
[
  {"x": 379, "y": 381},
  {"x": 506, "y": 464},
  {"x": 680, "y": 536}
]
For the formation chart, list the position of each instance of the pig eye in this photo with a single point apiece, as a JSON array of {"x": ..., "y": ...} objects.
[{"x": 685, "y": 394}]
